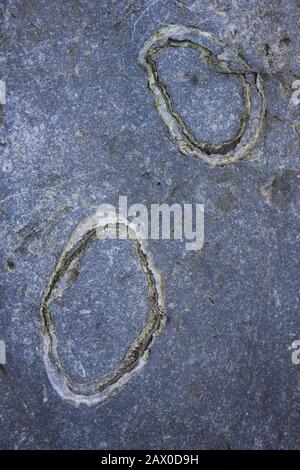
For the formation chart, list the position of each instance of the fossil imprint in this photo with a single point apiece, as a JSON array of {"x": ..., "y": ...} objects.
[
  {"x": 224, "y": 61},
  {"x": 94, "y": 226},
  {"x": 94, "y": 392}
]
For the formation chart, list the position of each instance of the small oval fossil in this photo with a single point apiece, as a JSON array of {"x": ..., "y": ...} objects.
[
  {"x": 224, "y": 61},
  {"x": 96, "y": 391}
]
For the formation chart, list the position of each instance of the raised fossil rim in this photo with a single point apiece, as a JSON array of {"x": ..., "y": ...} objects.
[
  {"x": 96, "y": 391},
  {"x": 252, "y": 120}
]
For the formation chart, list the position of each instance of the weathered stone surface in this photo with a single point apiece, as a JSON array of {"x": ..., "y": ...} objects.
[{"x": 79, "y": 127}]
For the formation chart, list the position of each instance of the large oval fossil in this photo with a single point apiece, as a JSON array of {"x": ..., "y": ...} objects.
[
  {"x": 99, "y": 226},
  {"x": 223, "y": 60}
]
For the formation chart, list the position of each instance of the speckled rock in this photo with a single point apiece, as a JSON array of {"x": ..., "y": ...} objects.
[{"x": 78, "y": 129}]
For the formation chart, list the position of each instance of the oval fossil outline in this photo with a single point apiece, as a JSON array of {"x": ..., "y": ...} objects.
[
  {"x": 252, "y": 121},
  {"x": 96, "y": 391}
]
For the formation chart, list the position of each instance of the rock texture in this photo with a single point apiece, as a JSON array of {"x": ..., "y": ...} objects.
[{"x": 79, "y": 128}]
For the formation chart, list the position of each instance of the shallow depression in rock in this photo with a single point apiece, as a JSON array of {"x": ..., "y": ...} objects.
[
  {"x": 103, "y": 310},
  {"x": 210, "y": 103}
]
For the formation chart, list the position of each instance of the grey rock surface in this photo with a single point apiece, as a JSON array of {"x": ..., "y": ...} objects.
[{"x": 79, "y": 128}]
